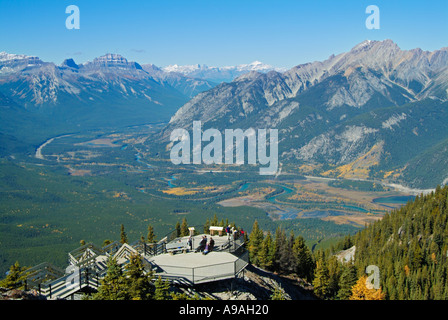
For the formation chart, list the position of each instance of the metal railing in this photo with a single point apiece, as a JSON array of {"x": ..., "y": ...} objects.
[
  {"x": 149, "y": 249},
  {"x": 208, "y": 273},
  {"x": 202, "y": 274},
  {"x": 172, "y": 235},
  {"x": 72, "y": 283}
]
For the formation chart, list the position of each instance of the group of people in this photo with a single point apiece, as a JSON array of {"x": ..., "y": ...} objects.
[
  {"x": 204, "y": 246},
  {"x": 231, "y": 231}
]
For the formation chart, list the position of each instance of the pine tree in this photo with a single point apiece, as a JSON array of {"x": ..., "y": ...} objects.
[
  {"x": 113, "y": 285},
  {"x": 266, "y": 253},
  {"x": 281, "y": 255},
  {"x": 214, "y": 222},
  {"x": 151, "y": 237},
  {"x": 255, "y": 241},
  {"x": 347, "y": 242},
  {"x": 334, "y": 274},
  {"x": 207, "y": 226},
  {"x": 184, "y": 228},
  {"x": 290, "y": 265},
  {"x": 15, "y": 278},
  {"x": 347, "y": 281},
  {"x": 177, "y": 228},
  {"x": 123, "y": 236},
  {"x": 321, "y": 280},
  {"x": 278, "y": 294},
  {"x": 162, "y": 288},
  {"x": 304, "y": 259},
  {"x": 245, "y": 238},
  {"x": 138, "y": 280}
]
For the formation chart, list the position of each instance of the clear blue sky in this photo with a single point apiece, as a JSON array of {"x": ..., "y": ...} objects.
[{"x": 283, "y": 33}]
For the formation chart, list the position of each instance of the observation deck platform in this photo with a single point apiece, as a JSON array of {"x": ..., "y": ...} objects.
[{"x": 190, "y": 266}]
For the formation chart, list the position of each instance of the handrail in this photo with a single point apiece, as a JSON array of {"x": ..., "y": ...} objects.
[
  {"x": 169, "y": 238},
  {"x": 195, "y": 272}
]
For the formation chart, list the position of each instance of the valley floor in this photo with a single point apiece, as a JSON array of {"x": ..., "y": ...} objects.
[{"x": 84, "y": 186}]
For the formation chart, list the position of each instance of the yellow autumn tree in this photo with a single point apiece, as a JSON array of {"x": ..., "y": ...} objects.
[{"x": 360, "y": 291}]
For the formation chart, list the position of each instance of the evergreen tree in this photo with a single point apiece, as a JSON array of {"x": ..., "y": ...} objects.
[
  {"x": 113, "y": 285},
  {"x": 266, "y": 253},
  {"x": 245, "y": 238},
  {"x": 214, "y": 222},
  {"x": 321, "y": 280},
  {"x": 207, "y": 226},
  {"x": 334, "y": 275},
  {"x": 255, "y": 241},
  {"x": 347, "y": 243},
  {"x": 151, "y": 237},
  {"x": 138, "y": 280},
  {"x": 177, "y": 228},
  {"x": 304, "y": 259},
  {"x": 347, "y": 281},
  {"x": 281, "y": 254},
  {"x": 123, "y": 236},
  {"x": 184, "y": 228},
  {"x": 290, "y": 265},
  {"x": 15, "y": 278},
  {"x": 161, "y": 291},
  {"x": 278, "y": 294}
]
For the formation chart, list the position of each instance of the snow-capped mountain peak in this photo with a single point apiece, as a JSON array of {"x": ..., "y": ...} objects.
[
  {"x": 4, "y": 56},
  {"x": 220, "y": 74}
]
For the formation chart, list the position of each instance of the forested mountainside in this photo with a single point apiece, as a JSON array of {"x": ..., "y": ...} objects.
[{"x": 409, "y": 246}]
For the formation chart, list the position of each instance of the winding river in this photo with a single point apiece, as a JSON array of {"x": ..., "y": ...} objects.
[{"x": 39, "y": 154}]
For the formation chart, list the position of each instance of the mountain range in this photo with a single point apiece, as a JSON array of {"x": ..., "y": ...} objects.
[
  {"x": 40, "y": 99},
  {"x": 110, "y": 91},
  {"x": 375, "y": 112},
  {"x": 221, "y": 74}
]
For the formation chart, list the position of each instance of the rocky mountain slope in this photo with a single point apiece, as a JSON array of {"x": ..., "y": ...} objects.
[
  {"x": 44, "y": 99},
  {"x": 371, "y": 112}
]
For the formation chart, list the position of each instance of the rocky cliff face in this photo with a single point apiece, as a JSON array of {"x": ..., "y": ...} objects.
[{"x": 15, "y": 294}]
